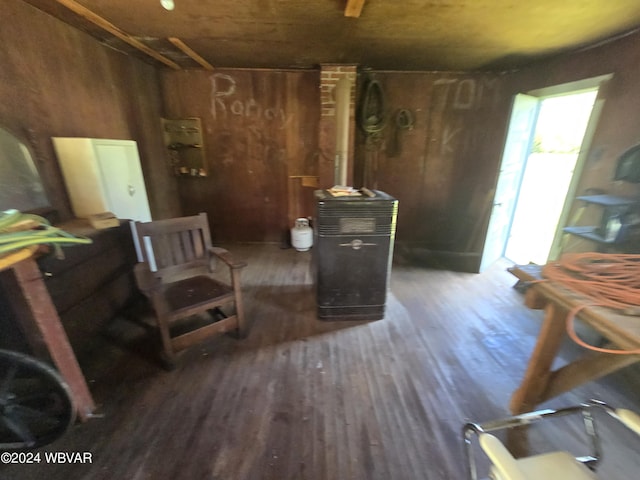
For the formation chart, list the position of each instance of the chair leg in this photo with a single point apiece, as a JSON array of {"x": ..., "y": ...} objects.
[
  {"x": 242, "y": 327},
  {"x": 168, "y": 356},
  {"x": 168, "y": 362}
]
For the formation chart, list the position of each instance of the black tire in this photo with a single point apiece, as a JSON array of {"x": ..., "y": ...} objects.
[{"x": 36, "y": 406}]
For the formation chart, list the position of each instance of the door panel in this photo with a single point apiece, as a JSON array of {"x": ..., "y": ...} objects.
[
  {"x": 518, "y": 144},
  {"x": 124, "y": 183}
]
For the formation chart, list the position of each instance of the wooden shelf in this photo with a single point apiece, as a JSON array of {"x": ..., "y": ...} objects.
[
  {"x": 609, "y": 200},
  {"x": 183, "y": 140},
  {"x": 612, "y": 206},
  {"x": 181, "y": 146},
  {"x": 590, "y": 233}
]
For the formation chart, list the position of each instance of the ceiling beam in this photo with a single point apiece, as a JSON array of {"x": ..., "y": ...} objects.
[
  {"x": 353, "y": 8},
  {"x": 182, "y": 46},
  {"x": 96, "y": 19}
]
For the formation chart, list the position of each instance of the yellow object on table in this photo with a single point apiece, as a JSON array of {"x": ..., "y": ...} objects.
[{"x": 9, "y": 259}]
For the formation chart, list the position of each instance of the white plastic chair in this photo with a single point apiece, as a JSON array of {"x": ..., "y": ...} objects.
[{"x": 560, "y": 465}]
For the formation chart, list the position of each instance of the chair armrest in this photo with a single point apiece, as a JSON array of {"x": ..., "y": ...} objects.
[
  {"x": 145, "y": 279},
  {"x": 528, "y": 418},
  {"x": 226, "y": 257}
]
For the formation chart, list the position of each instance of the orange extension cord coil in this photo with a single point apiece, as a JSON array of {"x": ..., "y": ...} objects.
[{"x": 608, "y": 280}]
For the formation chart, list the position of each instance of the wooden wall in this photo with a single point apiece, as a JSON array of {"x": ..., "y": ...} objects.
[
  {"x": 58, "y": 81},
  {"x": 443, "y": 169},
  {"x": 451, "y": 158},
  {"x": 618, "y": 127},
  {"x": 260, "y": 128}
]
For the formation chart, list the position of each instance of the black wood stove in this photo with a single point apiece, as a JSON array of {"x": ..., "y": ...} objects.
[{"x": 353, "y": 249}]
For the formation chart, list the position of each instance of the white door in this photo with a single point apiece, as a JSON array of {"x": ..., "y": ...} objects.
[
  {"x": 519, "y": 137},
  {"x": 559, "y": 133},
  {"x": 123, "y": 181}
]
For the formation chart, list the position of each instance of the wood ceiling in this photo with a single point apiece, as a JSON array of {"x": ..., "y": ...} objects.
[{"x": 461, "y": 35}]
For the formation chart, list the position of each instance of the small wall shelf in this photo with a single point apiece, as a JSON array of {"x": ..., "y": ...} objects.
[
  {"x": 609, "y": 200},
  {"x": 589, "y": 233},
  {"x": 619, "y": 229},
  {"x": 183, "y": 139}
]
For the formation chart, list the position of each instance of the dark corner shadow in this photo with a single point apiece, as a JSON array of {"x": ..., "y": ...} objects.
[
  {"x": 284, "y": 313},
  {"x": 274, "y": 314}
]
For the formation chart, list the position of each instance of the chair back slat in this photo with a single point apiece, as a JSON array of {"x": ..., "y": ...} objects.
[
  {"x": 177, "y": 251},
  {"x": 186, "y": 239},
  {"x": 198, "y": 243},
  {"x": 176, "y": 242},
  {"x": 162, "y": 250}
]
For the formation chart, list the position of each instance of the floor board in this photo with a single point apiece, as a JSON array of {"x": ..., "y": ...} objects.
[{"x": 304, "y": 399}]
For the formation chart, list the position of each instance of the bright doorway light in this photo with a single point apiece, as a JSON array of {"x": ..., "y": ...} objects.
[{"x": 559, "y": 133}]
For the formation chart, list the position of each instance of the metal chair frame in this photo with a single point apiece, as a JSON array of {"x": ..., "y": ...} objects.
[{"x": 471, "y": 430}]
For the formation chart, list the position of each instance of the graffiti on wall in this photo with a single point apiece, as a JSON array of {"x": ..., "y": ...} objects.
[
  {"x": 226, "y": 102},
  {"x": 455, "y": 99}
]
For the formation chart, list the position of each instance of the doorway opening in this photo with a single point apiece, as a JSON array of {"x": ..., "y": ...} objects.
[
  {"x": 558, "y": 134},
  {"x": 549, "y": 133}
]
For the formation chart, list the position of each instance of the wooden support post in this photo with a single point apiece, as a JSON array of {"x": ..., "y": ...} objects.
[
  {"x": 590, "y": 367},
  {"x": 538, "y": 371},
  {"x": 353, "y": 8},
  {"x": 540, "y": 383},
  {"x": 38, "y": 316}
]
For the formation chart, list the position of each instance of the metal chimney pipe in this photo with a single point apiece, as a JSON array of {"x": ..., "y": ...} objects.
[{"x": 342, "y": 97}]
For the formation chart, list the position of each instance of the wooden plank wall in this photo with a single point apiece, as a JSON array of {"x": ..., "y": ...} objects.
[
  {"x": 258, "y": 121},
  {"x": 447, "y": 165},
  {"x": 618, "y": 127},
  {"x": 58, "y": 81},
  {"x": 260, "y": 128},
  {"x": 443, "y": 167}
]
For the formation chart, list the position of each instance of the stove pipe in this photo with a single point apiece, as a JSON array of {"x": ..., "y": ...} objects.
[{"x": 342, "y": 97}]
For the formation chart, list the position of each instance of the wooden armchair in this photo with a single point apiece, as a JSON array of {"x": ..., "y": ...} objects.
[{"x": 178, "y": 276}]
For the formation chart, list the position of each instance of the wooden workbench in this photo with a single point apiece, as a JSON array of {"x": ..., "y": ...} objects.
[{"x": 540, "y": 383}]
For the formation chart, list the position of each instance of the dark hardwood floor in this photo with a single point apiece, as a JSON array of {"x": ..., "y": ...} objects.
[{"x": 304, "y": 399}]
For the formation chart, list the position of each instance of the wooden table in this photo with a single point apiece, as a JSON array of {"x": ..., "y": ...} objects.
[
  {"x": 540, "y": 383},
  {"x": 22, "y": 280}
]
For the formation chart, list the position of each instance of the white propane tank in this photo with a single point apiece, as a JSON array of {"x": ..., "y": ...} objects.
[{"x": 302, "y": 235}]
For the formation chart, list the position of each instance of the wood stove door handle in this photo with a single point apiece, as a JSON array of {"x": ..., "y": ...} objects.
[{"x": 357, "y": 244}]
